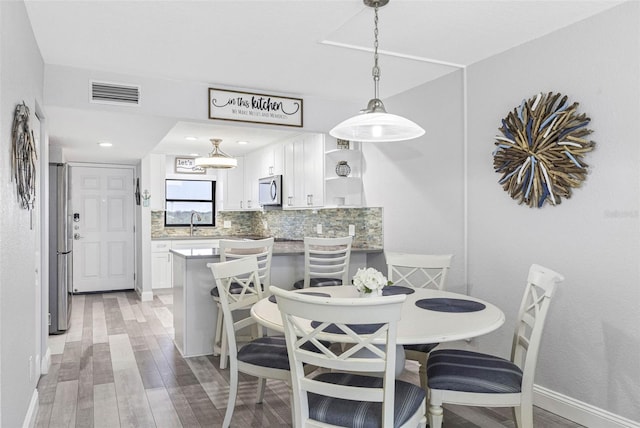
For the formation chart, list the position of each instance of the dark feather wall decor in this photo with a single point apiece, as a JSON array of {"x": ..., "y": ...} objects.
[
  {"x": 541, "y": 151},
  {"x": 23, "y": 162}
]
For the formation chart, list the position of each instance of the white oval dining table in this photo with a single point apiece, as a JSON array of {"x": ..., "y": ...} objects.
[{"x": 417, "y": 325}]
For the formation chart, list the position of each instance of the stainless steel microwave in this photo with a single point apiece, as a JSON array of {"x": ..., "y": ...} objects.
[{"x": 270, "y": 191}]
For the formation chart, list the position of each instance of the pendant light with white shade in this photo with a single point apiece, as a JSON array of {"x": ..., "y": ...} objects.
[
  {"x": 217, "y": 158},
  {"x": 374, "y": 124}
]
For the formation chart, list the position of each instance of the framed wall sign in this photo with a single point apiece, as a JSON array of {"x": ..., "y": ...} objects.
[
  {"x": 253, "y": 107},
  {"x": 188, "y": 166}
]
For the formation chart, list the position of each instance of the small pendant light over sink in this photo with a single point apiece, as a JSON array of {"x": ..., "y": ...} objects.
[
  {"x": 374, "y": 124},
  {"x": 217, "y": 158}
]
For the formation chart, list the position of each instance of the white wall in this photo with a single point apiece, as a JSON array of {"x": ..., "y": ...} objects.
[
  {"x": 176, "y": 100},
  {"x": 420, "y": 183},
  {"x": 592, "y": 341},
  {"x": 21, "y": 78}
]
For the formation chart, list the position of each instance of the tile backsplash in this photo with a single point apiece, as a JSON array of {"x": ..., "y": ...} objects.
[{"x": 285, "y": 224}]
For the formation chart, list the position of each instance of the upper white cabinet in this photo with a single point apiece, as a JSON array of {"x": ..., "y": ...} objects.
[
  {"x": 304, "y": 172},
  {"x": 233, "y": 188},
  {"x": 271, "y": 160},
  {"x": 241, "y": 183},
  {"x": 251, "y": 176},
  {"x": 308, "y": 164},
  {"x": 343, "y": 190}
]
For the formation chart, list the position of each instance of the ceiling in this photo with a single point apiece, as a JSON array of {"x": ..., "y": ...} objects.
[{"x": 306, "y": 48}]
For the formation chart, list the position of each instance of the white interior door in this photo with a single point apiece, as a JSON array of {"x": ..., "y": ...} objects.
[{"x": 102, "y": 203}]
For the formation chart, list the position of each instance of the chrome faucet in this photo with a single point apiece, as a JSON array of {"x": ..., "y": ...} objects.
[{"x": 198, "y": 218}]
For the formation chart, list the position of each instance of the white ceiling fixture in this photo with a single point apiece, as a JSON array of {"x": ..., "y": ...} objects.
[
  {"x": 217, "y": 158},
  {"x": 374, "y": 124}
]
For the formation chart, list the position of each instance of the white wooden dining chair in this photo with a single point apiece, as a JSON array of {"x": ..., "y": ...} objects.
[
  {"x": 264, "y": 357},
  {"x": 418, "y": 271},
  {"x": 326, "y": 262},
  {"x": 231, "y": 249},
  {"x": 338, "y": 396},
  {"x": 477, "y": 379}
]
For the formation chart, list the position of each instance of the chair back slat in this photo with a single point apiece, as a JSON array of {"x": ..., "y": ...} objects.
[
  {"x": 243, "y": 271},
  {"x": 418, "y": 270},
  {"x": 541, "y": 285},
  {"x": 309, "y": 319},
  {"x": 327, "y": 258},
  {"x": 261, "y": 249}
]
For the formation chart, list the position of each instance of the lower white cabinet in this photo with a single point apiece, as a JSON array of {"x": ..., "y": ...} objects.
[
  {"x": 162, "y": 259},
  {"x": 161, "y": 264}
]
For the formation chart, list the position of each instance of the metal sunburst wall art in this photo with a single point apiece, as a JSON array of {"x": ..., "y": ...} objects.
[
  {"x": 541, "y": 151},
  {"x": 23, "y": 162}
]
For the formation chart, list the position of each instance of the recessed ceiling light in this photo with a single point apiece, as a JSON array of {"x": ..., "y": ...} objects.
[
  {"x": 243, "y": 142},
  {"x": 105, "y": 144},
  {"x": 191, "y": 138},
  {"x": 194, "y": 154}
]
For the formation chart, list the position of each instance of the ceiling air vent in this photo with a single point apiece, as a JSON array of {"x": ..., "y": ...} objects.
[{"x": 114, "y": 93}]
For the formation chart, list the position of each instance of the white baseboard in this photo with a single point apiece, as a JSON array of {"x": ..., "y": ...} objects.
[
  {"x": 577, "y": 411},
  {"x": 46, "y": 362},
  {"x": 32, "y": 411},
  {"x": 145, "y": 296}
]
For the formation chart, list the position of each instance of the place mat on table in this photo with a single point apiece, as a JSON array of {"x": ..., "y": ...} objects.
[
  {"x": 450, "y": 305},
  {"x": 272, "y": 299},
  {"x": 392, "y": 290},
  {"x": 358, "y": 328}
]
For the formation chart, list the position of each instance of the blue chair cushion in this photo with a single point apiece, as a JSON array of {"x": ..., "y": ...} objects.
[
  {"x": 318, "y": 282},
  {"x": 422, "y": 347},
  {"x": 271, "y": 351},
  {"x": 457, "y": 370},
  {"x": 351, "y": 413}
]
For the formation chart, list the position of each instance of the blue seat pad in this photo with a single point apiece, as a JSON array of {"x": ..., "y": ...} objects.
[
  {"x": 318, "y": 282},
  {"x": 458, "y": 370},
  {"x": 351, "y": 413},
  {"x": 270, "y": 351},
  {"x": 421, "y": 347}
]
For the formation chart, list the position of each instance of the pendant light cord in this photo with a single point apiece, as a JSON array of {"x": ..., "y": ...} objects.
[{"x": 376, "y": 68}]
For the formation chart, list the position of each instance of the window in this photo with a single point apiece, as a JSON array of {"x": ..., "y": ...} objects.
[{"x": 185, "y": 196}]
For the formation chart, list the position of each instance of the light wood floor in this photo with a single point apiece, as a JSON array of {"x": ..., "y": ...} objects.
[{"x": 118, "y": 367}]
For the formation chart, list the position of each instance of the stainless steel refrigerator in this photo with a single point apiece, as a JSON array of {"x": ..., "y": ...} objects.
[{"x": 60, "y": 249}]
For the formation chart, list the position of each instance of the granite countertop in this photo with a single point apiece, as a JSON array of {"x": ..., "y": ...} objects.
[{"x": 280, "y": 248}]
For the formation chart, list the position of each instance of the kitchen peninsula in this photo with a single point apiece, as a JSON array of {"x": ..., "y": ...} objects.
[{"x": 194, "y": 311}]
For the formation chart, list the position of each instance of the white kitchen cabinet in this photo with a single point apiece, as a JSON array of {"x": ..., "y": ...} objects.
[
  {"x": 304, "y": 172},
  {"x": 271, "y": 160},
  {"x": 314, "y": 169},
  {"x": 342, "y": 191},
  {"x": 160, "y": 264},
  {"x": 233, "y": 188},
  {"x": 251, "y": 176},
  {"x": 162, "y": 259}
]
